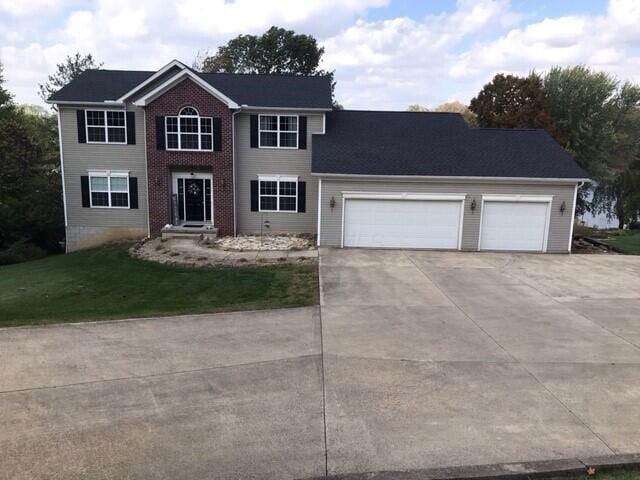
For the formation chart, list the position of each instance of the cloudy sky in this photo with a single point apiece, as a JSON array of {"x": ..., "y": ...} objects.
[{"x": 386, "y": 53}]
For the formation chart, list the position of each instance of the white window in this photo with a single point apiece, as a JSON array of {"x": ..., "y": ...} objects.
[
  {"x": 109, "y": 190},
  {"x": 106, "y": 126},
  {"x": 189, "y": 131},
  {"x": 278, "y": 194},
  {"x": 278, "y": 131}
]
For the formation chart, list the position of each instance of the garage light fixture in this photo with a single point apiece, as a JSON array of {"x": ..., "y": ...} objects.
[
  {"x": 473, "y": 205},
  {"x": 332, "y": 203},
  {"x": 563, "y": 207}
]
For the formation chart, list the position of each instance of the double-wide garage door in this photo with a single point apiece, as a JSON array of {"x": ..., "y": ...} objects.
[
  {"x": 519, "y": 225},
  {"x": 402, "y": 223}
]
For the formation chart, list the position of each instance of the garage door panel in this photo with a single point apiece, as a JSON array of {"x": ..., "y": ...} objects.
[
  {"x": 401, "y": 223},
  {"x": 517, "y": 226}
]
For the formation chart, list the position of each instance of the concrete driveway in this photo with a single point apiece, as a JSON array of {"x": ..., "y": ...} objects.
[{"x": 413, "y": 360}]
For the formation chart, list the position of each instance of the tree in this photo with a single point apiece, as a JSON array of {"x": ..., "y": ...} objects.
[
  {"x": 277, "y": 51},
  {"x": 67, "y": 71},
  {"x": 600, "y": 118},
  {"x": 452, "y": 107},
  {"x": 5, "y": 96},
  {"x": 582, "y": 105},
  {"x": 31, "y": 212},
  {"x": 509, "y": 101}
]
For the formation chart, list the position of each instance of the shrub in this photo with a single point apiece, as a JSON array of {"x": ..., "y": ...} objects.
[
  {"x": 634, "y": 226},
  {"x": 21, "y": 252}
]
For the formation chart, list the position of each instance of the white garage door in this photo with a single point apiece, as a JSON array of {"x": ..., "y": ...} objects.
[
  {"x": 520, "y": 226},
  {"x": 402, "y": 223}
]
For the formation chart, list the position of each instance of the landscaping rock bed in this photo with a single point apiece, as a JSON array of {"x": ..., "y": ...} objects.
[
  {"x": 191, "y": 252},
  {"x": 244, "y": 243}
]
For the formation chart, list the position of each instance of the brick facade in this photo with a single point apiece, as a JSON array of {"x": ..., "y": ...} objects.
[{"x": 160, "y": 163}]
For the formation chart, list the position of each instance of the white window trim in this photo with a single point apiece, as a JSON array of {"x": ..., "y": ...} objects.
[
  {"x": 109, "y": 174},
  {"x": 105, "y": 126},
  {"x": 179, "y": 133},
  {"x": 277, "y": 179},
  {"x": 278, "y": 131}
]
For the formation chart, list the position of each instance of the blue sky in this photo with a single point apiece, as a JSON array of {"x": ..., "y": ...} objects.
[{"x": 386, "y": 53}]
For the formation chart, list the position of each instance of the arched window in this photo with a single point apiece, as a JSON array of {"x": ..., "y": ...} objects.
[
  {"x": 189, "y": 131},
  {"x": 188, "y": 112}
]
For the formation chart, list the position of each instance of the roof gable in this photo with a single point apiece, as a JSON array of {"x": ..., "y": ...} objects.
[{"x": 252, "y": 90}]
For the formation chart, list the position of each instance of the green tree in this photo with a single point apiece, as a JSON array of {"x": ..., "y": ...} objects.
[
  {"x": 582, "y": 104},
  {"x": 509, "y": 101},
  {"x": 277, "y": 51},
  {"x": 619, "y": 195},
  {"x": 600, "y": 118},
  {"x": 453, "y": 107},
  {"x": 67, "y": 71},
  {"x": 5, "y": 96},
  {"x": 31, "y": 212}
]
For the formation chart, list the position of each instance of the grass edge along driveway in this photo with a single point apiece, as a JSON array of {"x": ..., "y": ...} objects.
[{"x": 106, "y": 283}]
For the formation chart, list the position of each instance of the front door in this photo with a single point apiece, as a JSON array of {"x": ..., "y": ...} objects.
[
  {"x": 192, "y": 201},
  {"x": 194, "y": 204}
]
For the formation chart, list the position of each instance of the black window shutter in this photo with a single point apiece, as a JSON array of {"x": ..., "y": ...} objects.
[
  {"x": 84, "y": 187},
  {"x": 254, "y": 131},
  {"x": 302, "y": 132},
  {"x": 217, "y": 134},
  {"x": 82, "y": 132},
  {"x": 160, "y": 133},
  {"x": 254, "y": 195},
  {"x": 302, "y": 197},
  {"x": 131, "y": 128},
  {"x": 133, "y": 192}
]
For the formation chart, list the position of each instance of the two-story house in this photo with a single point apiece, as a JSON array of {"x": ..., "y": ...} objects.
[{"x": 183, "y": 151}]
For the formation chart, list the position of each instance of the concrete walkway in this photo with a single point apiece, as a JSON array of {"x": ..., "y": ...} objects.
[{"x": 413, "y": 360}]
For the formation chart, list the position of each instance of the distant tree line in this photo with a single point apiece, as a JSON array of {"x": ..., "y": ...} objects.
[{"x": 590, "y": 113}]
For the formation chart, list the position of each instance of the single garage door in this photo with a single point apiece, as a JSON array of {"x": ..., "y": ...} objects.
[
  {"x": 518, "y": 225},
  {"x": 402, "y": 223}
]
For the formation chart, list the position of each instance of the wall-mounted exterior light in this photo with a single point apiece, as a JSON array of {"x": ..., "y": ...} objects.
[
  {"x": 473, "y": 205},
  {"x": 332, "y": 203},
  {"x": 563, "y": 207}
]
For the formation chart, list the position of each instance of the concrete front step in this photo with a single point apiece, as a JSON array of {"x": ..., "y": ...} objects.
[{"x": 206, "y": 232}]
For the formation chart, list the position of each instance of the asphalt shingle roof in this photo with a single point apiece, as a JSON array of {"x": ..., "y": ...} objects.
[
  {"x": 286, "y": 91},
  {"x": 435, "y": 144}
]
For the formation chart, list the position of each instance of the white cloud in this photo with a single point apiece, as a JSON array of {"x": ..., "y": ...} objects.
[
  {"x": 19, "y": 8},
  {"x": 453, "y": 54},
  {"x": 379, "y": 64}
]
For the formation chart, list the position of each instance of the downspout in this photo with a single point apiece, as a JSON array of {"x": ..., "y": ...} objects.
[
  {"x": 64, "y": 192},
  {"x": 233, "y": 168},
  {"x": 146, "y": 168}
]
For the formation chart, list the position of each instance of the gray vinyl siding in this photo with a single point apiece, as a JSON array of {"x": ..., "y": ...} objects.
[
  {"x": 79, "y": 158},
  {"x": 251, "y": 162},
  {"x": 559, "y": 224}
]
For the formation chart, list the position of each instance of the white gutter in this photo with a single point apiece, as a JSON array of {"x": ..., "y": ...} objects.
[
  {"x": 64, "y": 192},
  {"x": 286, "y": 109},
  {"x": 74, "y": 102},
  {"x": 452, "y": 178}
]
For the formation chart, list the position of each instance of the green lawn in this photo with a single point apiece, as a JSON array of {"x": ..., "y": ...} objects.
[
  {"x": 628, "y": 241},
  {"x": 106, "y": 283}
]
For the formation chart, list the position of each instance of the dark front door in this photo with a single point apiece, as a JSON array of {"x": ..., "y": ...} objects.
[{"x": 194, "y": 193}]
